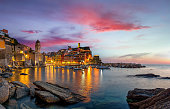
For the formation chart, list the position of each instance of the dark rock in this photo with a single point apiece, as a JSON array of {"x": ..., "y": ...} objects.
[
  {"x": 47, "y": 97},
  {"x": 12, "y": 102},
  {"x": 6, "y": 75},
  {"x": 149, "y": 75},
  {"x": 23, "y": 74},
  {"x": 79, "y": 108},
  {"x": 161, "y": 104},
  {"x": 158, "y": 101},
  {"x": 64, "y": 94},
  {"x": 4, "y": 90},
  {"x": 63, "y": 87},
  {"x": 19, "y": 83},
  {"x": 2, "y": 107},
  {"x": 21, "y": 92},
  {"x": 11, "y": 85},
  {"x": 32, "y": 91},
  {"x": 24, "y": 106},
  {"x": 164, "y": 78},
  {"x": 12, "y": 91},
  {"x": 142, "y": 94},
  {"x": 126, "y": 65}
]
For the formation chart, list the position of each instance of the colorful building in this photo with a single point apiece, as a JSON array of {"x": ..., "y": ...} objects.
[
  {"x": 74, "y": 56},
  {"x": 15, "y": 54}
]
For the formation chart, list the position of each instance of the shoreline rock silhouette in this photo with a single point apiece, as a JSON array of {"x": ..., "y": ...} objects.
[{"x": 151, "y": 98}]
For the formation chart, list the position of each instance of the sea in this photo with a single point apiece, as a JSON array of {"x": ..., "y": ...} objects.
[{"x": 105, "y": 88}]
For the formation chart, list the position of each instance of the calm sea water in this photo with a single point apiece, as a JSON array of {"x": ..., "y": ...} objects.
[{"x": 103, "y": 88}]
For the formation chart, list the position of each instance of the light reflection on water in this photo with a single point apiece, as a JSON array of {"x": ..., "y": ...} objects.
[
  {"x": 103, "y": 88},
  {"x": 80, "y": 81}
]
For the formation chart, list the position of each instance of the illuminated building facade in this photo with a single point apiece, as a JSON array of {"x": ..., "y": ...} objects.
[
  {"x": 96, "y": 59},
  {"x": 74, "y": 56},
  {"x": 15, "y": 54},
  {"x": 50, "y": 58},
  {"x": 6, "y": 48},
  {"x": 24, "y": 56}
]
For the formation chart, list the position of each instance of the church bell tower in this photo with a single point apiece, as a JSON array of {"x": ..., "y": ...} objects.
[
  {"x": 37, "y": 46},
  {"x": 37, "y": 53}
]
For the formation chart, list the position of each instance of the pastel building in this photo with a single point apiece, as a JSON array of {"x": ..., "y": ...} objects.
[
  {"x": 15, "y": 54},
  {"x": 74, "y": 56}
]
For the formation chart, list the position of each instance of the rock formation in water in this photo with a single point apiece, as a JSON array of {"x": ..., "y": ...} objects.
[
  {"x": 149, "y": 98},
  {"x": 48, "y": 93},
  {"x": 47, "y": 97},
  {"x": 64, "y": 94},
  {"x": 149, "y": 75},
  {"x": 4, "y": 90}
]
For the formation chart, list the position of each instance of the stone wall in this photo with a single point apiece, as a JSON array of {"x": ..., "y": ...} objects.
[
  {"x": 3, "y": 60},
  {"x": 9, "y": 54}
]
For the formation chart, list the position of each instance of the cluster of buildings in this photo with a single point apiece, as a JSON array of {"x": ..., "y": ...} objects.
[
  {"x": 14, "y": 54},
  {"x": 73, "y": 56}
]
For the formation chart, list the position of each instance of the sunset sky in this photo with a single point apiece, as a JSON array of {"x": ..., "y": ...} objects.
[{"x": 117, "y": 30}]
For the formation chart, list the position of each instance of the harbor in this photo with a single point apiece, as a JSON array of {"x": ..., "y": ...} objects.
[
  {"x": 93, "y": 84},
  {"x": 84, "y": 54}
]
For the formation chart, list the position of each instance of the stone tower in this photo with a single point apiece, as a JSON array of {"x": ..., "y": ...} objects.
[
  {"x": 37, "y": 46},
  {"x": 37, "y": 53},
  {"x": 78, "y": 45}
]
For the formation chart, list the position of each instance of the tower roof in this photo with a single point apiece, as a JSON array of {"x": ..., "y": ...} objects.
[{"x": 37, "y": 41}]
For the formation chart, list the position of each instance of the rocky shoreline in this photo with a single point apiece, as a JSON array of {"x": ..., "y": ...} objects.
[
  {"x": 158, "y": 98},
  {"x": 43, "y": 91},
  {"x": 124, "y": 65},
  {"x": 148, "y": 75}
]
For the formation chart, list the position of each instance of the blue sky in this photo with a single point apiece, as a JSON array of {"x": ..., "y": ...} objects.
[{"x": 118, "y": 31}]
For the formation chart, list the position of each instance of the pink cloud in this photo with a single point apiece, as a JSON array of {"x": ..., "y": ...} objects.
[
  {"x": 64, "y": 41},
  {"x": 58, "y": 41},
  {"x": 31, "y": 31},
  {"x": 101, "y": 20},
  {"x": 49, "y": 41}
]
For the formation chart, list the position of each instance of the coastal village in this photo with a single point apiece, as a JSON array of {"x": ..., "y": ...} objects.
[
  {"x": 16, "y": 55},
  {"x": 84, "y": 54}
]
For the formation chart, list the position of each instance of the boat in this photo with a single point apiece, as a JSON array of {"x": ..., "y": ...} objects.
[
  {"x": 84, "y": 67},
  {"x": 20, "y": 67},
  {"x": 68, "y": 67},
  {"x": 57, "y": 67},
  {"x": 23, "y": 74},
  {"x": 71, "y": 67},
  {"x": 103, "y": 67},
  {"x": 6, "y": 74},
  {"x": 78, "y": 68},
  {"x": 93, "y": 66},
  {"x": 62, "y": 67}
]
